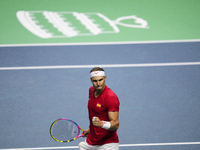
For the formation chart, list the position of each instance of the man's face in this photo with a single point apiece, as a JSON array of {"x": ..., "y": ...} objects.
[{"x": 98, "y": 82}]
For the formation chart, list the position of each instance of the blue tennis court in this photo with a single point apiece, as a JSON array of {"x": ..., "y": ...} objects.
[{"x": 157, "y": 84}]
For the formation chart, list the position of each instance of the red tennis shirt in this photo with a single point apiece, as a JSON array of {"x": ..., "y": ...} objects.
[{"x": 99, "y": 107}]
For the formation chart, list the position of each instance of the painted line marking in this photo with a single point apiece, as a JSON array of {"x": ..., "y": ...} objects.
[
  {"x": 121, "y": 145},
  {"x": 103, "y": 66},
  {"x": 161, "y": 144},
  {"x": 101, "y": 43}
]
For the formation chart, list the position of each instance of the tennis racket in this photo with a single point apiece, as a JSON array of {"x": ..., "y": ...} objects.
[{"x": 65, "y": 130}]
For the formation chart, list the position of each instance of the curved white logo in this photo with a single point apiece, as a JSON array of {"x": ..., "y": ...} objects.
[{"x": 48, "y": 24}]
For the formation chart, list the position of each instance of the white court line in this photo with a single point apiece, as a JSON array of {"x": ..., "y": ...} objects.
[
  {"x": 101, "y": 43},
  {"x": 103, "y": 66},
  {"x": 160, "y": 144},
  {"x": 121, "y": 145}
]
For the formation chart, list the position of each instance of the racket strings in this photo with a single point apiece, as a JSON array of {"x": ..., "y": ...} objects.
[{"x": 64, "y": 130}]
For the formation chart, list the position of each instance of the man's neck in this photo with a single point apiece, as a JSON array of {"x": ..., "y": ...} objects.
[{"x": 98, "y": 92}]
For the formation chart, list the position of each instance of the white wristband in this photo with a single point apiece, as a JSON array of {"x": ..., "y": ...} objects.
[{"x": 106, "y": 125}]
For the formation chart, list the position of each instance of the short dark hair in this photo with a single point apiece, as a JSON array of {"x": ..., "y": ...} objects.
[{"x": 97, "y": 69}]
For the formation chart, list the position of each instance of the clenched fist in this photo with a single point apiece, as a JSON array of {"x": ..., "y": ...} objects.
[{"x": 97, "y": 122}]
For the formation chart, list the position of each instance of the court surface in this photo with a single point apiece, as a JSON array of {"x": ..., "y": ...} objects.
[{"x": 155, "y": 77}]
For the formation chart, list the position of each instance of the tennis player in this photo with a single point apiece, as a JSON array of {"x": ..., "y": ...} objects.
[{"x": 103, "y": 108}]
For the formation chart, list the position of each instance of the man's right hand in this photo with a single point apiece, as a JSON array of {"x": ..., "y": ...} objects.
[{"x": 86, "y": 132}]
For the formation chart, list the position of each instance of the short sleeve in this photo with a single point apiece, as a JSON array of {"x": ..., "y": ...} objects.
[{"x": 113, "y": 103}]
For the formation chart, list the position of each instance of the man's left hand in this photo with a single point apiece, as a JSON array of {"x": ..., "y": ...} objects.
[{"x": 97, "y": 122}]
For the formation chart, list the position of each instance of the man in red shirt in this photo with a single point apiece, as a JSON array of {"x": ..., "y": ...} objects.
[{"x": 103, "y": 108}]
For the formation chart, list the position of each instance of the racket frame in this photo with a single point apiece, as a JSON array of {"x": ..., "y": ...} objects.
[{"x": 79, "y": 129}]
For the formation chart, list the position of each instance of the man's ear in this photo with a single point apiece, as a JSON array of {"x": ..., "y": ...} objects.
[{"x": 105, "y": 77}]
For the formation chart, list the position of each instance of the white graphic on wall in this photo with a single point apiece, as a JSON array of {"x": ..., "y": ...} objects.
[{"x": 48, "y": 24}]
